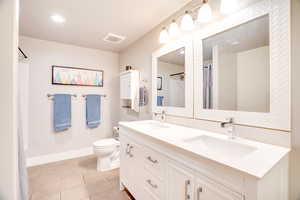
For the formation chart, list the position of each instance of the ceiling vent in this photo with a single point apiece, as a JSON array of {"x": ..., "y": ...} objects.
[{"x": 113, "y": 38}]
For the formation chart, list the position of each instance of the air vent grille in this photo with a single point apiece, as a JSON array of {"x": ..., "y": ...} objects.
[{"x": 113, "y": 38}]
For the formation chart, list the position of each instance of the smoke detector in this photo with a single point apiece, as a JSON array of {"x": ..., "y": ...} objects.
[{"x": 113, "y": 38}]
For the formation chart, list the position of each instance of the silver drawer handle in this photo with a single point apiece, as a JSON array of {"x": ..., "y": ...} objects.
[
  {"x": 151, "y": 160},
  {"x": 151, "y": 184},
  {"x": 129, "y": 151},
  {"x": 199, "y": 190},
  {"x": 187, "y": 183},
  {"x": 127, "y": 147}
]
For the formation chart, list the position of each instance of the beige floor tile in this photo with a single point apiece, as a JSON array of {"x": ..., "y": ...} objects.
[
  {"x": 111, "y": 196},
  {"x": 75, "y": 179},
  {"x": 46, "y": 188},
  {"x": 71, "y": 181},
  {"x": 93, "y": 177},
  {"x": 76, "y": 193},
  {"x": 39, "y": 196},
  {"x": 99, "y": 187}
]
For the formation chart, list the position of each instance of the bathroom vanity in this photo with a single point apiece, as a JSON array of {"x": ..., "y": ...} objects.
[
  {"x": 161, "y": 161},
  {"x": 239, "y": 68}
]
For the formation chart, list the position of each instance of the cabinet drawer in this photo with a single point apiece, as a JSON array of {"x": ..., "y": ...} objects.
[
  {"x": 154, "y": 185},
  {"x": 154, "y": 162},
  {"x": 207, "y": 188},
  {"x": 148, "y": 195}
]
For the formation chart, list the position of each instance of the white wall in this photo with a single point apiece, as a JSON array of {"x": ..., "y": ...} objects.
[
  {"x": 295, "y": 155},
  {"x": 8, "y": 87},
  {"x": 253, "y": 80},
  {"x": 42, "y": 55}
]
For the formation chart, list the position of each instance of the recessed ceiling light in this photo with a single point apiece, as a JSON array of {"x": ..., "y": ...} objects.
[{"x": 58, "y": 19}]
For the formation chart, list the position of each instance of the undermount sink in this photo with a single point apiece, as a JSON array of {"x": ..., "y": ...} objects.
[
  {"x": 223, "y": 147},
  {"x": 153, "y": 125}
]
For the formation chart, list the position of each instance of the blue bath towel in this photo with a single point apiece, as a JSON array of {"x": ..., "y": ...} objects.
[
  {"x": 93, "y": 110},
  {"x": 62, "y": 112},
  {"x": 160, "y": 100}
]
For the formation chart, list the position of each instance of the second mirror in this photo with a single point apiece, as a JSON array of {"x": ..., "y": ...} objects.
[{"x": 171, "y": 79}]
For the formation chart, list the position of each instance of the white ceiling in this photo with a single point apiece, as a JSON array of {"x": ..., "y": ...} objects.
[{"x": 88, "y": 22}]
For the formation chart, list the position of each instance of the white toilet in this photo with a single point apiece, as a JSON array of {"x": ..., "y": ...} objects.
[{"x": 108, "y": 153}]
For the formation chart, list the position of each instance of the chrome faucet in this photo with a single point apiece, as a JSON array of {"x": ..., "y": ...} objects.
[
  {"x": 230, "y": 128},
  {"x": 162, "y": 115}
]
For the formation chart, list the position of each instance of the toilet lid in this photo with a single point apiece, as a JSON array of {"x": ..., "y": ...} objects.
[{"x": 106, "y": 142}]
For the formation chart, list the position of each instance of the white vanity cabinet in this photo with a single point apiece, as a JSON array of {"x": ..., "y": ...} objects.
[
  {"x": 132, "y": 168},
  {"x": 180, "y": 182},
  {"x": 153, "y": 169},
  {"x": 207, "y": 190}
]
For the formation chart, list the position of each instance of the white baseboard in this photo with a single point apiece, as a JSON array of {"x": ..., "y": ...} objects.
[{"x": 39, "y": 160}]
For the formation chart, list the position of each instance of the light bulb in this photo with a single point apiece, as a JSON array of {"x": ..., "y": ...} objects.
[
  {"x": 164, "y": 36},
  {"x": 174, "y": 30},
  {"x": 187, "y": 23},
  {"x": 205, "y": 13},
  {"x": 228, "y": 6}
]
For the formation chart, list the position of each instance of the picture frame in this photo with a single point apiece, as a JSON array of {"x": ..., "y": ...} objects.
[{"x": 75, "y": 76}]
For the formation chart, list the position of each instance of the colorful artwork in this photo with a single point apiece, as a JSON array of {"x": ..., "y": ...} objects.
[{"x": 76, "y": 76}]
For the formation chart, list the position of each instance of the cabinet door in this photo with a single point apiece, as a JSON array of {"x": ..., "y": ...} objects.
[
  {"x": 124, "y": 162},
  {"x": 125, "y": 86},
  {"x": 131, "y": 171},
  {"x": 180, "y": 182},
  {"x": 206, "y": 190}
]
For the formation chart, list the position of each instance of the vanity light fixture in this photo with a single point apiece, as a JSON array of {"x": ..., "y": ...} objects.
[
  {"x": 228, "y": 6},
  {"x": 164, "y": 36},
  {"x": 58, "y": 19},
  {"x": 204, "y": 13},
  {"x": 187, "y": 22},
  {"x": 174, "y": 29}
]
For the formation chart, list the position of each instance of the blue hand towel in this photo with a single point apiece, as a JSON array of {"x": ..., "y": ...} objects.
[
  {"x": 62, "y": 112},
  {"x": 93, "y": 110},
  {"x": 160, "y": 100}
]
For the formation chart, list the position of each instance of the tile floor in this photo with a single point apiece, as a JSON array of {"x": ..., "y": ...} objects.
[{"x": 75, "y": 179}]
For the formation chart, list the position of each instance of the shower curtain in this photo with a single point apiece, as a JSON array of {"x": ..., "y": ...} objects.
[
  {"x": 22, "y": 122},
  {"x": 207, "y": 86}
]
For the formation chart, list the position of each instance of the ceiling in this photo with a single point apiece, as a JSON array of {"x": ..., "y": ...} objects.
[{"x": 88, "y": 22}]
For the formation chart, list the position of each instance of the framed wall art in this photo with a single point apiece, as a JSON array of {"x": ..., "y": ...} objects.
[{"x": 77, "y": 76}]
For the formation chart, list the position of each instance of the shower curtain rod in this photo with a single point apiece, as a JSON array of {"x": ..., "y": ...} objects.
[
  {"x": 181, "y": 73},
  {"x": 22, "y": 53}
]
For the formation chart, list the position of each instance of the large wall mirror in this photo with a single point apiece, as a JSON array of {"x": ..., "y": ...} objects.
[
  {"x": 172, "y": 75},
  {"x": 236, "y": 68},
  {"x": 242, "y": 67}
]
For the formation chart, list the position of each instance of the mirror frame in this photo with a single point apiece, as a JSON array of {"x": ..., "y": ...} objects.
[
  {"x": 186, "y": 111},
  {"x": 279, "y": 25}
]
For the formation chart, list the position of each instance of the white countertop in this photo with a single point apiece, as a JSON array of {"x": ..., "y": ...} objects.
[{"x": 256, "y": 163}]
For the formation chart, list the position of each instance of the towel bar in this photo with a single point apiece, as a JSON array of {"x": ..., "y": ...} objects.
[
  {"x": 103, "y": 95},
  {"x": 51, "y": 95}
]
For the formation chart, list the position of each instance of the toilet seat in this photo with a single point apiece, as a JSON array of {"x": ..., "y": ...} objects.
[{"x": 104, "y": 143}]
